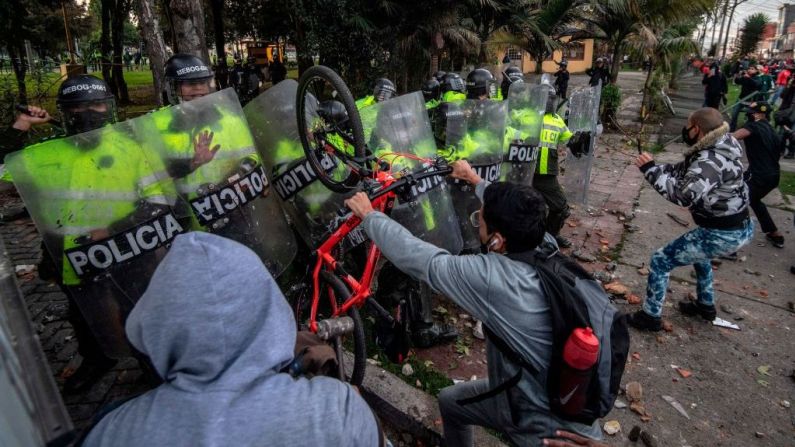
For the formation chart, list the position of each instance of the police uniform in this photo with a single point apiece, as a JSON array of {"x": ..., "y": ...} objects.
[{"x": 545, "y": 180}]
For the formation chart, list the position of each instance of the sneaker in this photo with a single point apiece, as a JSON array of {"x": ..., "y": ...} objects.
[
  {"x": 433, "y": 335},
  {"x": 477, "y": 330},
  {"x": 642, "y": 321},
  {"x": 89, "y": 372},
  {"x": 562, "y": 241},
  {"x": 694, "y": 308},
  {"x": 777, "y": 241}
]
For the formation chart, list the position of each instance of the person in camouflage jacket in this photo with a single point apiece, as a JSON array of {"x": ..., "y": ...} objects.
[{"x": 709, "y": 182}]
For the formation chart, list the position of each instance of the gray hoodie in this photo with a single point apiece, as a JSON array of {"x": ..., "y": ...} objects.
[{"x": 218, "y": 331}]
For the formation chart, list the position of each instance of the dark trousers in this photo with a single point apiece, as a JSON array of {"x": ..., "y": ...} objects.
[
  {"x": 557, "y": 207},
  {"x": 758, "y": 187}
]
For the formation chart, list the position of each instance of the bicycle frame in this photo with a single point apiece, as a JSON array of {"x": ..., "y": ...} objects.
[{"x": 360, "y": 288}]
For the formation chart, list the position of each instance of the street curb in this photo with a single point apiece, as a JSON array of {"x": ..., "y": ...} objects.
[{"x": 407, "y": 408}]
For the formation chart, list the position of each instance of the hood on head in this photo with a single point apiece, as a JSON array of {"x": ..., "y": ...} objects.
[
  {"x": 212, "y": 316},
  {"x": 719, "y": 140}
]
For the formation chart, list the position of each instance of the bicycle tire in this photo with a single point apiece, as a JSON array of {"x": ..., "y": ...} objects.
[
  {"x": 359, "y": 347},
  {"x": 346, "y": 98}
]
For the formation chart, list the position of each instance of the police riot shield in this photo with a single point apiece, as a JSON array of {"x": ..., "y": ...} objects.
[
  {"x": 31, "y": 410},
  {"x": 107, "y": 212},
  {"x": 401, "y": 137},
  {"x": 312, "y": 208},
  {"x": 583, "y": 120},
  {"x": 475, "y": 132},
  {"x": 230, "y": 193},
  {"x": 526, "y": 103}
]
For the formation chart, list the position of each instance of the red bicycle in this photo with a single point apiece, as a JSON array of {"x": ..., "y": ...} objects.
[{"x": 340, "y": 137}]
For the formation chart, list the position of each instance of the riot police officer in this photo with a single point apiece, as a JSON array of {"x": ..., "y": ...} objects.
[
  {"x": 545, "y": 180},
  {"x": 383, "y": 90},
  {"x": 431, "y": 92},
  {"x": 439, "y": 76},
  {"x": 453, "y": 88},
  {"x": 88, "y": 187},
  {"x": 480, "y": 85},
  {"x": 512, "y": 74},
  {"x": 562, "y": 79},
  {"x": 250, "y": 81}
]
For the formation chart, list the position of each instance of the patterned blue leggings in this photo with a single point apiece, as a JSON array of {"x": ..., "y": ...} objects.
[{"x": 695, "y": 247}]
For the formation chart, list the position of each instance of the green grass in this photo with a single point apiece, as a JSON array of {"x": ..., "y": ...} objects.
[{"x": 787, "y": 183}]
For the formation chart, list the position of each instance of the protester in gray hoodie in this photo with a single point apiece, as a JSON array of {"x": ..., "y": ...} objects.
[
  {"x": 218, "y": 331},
  {"x": 503, "y": 293}
]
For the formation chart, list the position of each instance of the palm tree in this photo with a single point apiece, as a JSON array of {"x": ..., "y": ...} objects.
[
  {"x": 538, "y": 30},
  {"x": 616, "y": 20},
  {"x": 752, "y": 31}
]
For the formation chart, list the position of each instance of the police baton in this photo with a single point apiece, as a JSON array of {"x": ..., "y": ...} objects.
[{"x": 22, "y": 108}]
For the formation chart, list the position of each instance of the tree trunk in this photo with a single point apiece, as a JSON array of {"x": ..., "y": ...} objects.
[
  {"x": 188, "y": 22},
  {"x": 122, "y": 11},
  {"x": 107, "y": 7},
  {"x": 617, "y": 57},
  {"x": 155, "y": 45},
  {"x": 729, "y": 26},
  {"x": 217, "y": 7},
  {"x": 645, "y": 106},
  {"x": 714, "y": 26},
  {"x": 20, "y": 70},
  {"x": 722, "y": 22}
]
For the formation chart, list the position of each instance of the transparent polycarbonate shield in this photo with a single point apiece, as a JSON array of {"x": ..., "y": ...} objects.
[
  {"x": 402, "y": 137},
  {"x": 31, "y": 410},
  {"x": 312, "y": 208},
  {"x": 230, "y": 194},
  {"x": 107, "y": 212},
  {"x": 526, "y": 104},
  {"x": 583, "y": 120},
  {"x": 475, "y": 132}
]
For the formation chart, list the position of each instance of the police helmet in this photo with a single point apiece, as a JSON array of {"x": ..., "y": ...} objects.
[
  {"x": 508, "y": 80},
  {"x": 439, "y": 76},
  {"x": 85, "y": 103},
  {"x": 333, "y": 111},
  {"x": 480, "y": 82},
  {"x": 564, "y": 63},
  {"x": 513, "y": 69},
  {"x": 452, "y": 82},
  {"x": 384, "y": 89},
  {"x": 552, "y": 100},
  {"x": 184, "y": 68},
  {"x": 431, "y": 89}
]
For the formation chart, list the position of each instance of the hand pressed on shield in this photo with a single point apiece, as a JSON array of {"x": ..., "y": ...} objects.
[
  {"x": 203, "y": 154},
  {"x": 643, "y": 159},
  {"x": 37, "y": 116},
  {"x": 463, "y": 171},
  {"x": 360, "y": 205},
  {"x": 564, "y": 439}
]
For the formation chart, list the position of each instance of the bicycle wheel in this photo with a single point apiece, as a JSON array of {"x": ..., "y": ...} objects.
[
  {"x": 359, "y": 351},
  {"x": 333, "y": 139}
]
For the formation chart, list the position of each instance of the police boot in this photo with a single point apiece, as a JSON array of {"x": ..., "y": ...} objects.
[
  {"x": 424, "y": 331},
  {"x": 89, "y": 372}
]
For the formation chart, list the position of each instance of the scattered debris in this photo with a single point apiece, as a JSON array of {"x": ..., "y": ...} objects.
[
  {"x": 373, "y": 362},
  {"x": 763, "y": 382},
  {"x": 604, "y": 242},
  {"x": 723, "y": 323},
  {"x": 634, "y": 434},
  {"x": 677, "y": 406},
  {"x": 633, "y": 299},
  {"x": 611, "y": 266},
  {"x": 763, "y": 293},
  {"x": 684, "y": 372},
  {"x": 764, "y": 370},
  {"x": 640, "y": 409},
  {"x": 667, "y": 326},
  {"x": 620, "y": 404},
  {"x": 636, "y": 355},
  {"x": 616, "y": 288},
  {"x": 726, "y": 308},
  {"x": 759, "y": 434},
  {"x": 407, "y": 369},
  {"x": 603, "y": 277},
  {"x": 785, "y": 403},
  {"x": 584, "y": 257},
  {"x": 612, "y": 427},
  {"x": 418, "y": 383},
  {"x": 643, "y": 271},
  {"x": 678, "y": 220},
  {"x": 440, "y": 310},
  {"x": 634, "y": 391}
]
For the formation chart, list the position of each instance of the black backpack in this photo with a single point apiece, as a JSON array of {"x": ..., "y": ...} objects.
[{"x": 575, "y": 300}]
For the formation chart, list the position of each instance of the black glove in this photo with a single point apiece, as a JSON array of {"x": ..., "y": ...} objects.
[{"x": 579, "y": 144}]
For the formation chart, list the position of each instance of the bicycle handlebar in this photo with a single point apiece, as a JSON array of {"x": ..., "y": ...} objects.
[{"x": 440, "y": 167}]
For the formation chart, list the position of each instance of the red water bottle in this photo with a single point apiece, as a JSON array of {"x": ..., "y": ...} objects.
[{"x": 580, "y": 355}]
